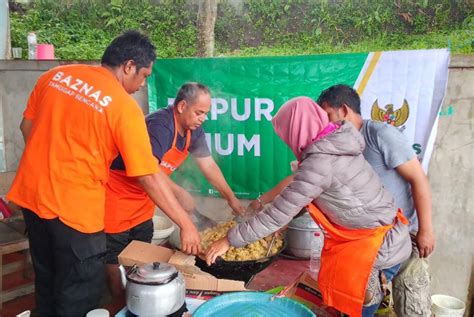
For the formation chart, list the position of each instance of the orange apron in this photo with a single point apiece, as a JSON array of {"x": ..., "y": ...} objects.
[
  {"x": 127, "y": 204},
  {"x": 346, "y": 261},
  {"x": 174, "y": 157}
]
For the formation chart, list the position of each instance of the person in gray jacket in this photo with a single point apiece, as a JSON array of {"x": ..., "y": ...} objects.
[
  {"x": 395, "y": 162},
  {"x": 333, "y": 175}
]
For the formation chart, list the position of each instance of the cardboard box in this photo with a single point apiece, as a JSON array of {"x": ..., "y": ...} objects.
[
  {"x": 305, "y": 290},
  {"x": 197, "y": 282}
]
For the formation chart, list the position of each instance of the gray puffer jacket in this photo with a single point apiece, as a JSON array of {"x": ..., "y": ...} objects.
[{"x": 335, "y": 176}]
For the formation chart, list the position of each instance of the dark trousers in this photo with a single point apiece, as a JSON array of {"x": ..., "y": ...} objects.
[
  {"x": 68, "y": 264},
  {"x": 117, "y": 242}
]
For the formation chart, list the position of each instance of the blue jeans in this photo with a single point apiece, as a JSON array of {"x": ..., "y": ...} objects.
[{"x": 369, "y": 311}]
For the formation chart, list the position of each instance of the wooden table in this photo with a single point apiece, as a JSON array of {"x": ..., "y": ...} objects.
[{"x": 13, "y": 239}]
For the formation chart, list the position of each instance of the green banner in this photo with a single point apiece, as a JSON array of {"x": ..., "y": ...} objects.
[{"x": 246, "y": 93}]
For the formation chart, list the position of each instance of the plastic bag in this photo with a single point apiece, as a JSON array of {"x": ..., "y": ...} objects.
[{"x": 411, "y": 288}]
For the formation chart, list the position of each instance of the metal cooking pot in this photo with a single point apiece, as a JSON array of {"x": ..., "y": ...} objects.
[
  {"x": 154, "y": 289},
  {"x": 299, "y": 236}
]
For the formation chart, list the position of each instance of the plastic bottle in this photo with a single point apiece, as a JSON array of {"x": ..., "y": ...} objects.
[
  {"x": 31, "y": 45},
  {"x": 315, "y": 257}
]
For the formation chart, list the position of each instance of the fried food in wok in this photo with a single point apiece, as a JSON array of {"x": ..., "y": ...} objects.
[{"x": 252, "y": 251}]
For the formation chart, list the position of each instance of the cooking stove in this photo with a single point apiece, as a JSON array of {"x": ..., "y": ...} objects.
[{"x": 178, "y": 313}]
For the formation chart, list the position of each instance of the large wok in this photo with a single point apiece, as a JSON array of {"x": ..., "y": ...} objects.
[
  {"x": 234, "y": 270},
  {"x": 238, "y": 270}
]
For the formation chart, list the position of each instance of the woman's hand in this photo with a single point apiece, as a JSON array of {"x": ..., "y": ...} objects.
[
  {"x": 216, "y": 249},
  {"x": 254, "y": 207}
]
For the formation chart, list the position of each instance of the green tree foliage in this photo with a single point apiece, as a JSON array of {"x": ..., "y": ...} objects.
[
  {"x": 327, "y": 26},
  {"x": 81, "y": 30}
]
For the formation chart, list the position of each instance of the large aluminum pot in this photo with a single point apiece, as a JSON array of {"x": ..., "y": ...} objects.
[
  {"x": 300, "y": 235},
  {"x": 154, "y": 289}
]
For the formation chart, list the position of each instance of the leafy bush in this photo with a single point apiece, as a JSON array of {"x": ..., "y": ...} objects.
[
  {"x": 80, "y": 30},
  {"x": 327, "y": 26}
]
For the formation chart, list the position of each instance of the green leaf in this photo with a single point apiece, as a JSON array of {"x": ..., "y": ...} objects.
[{"x": 116, "y": 3}]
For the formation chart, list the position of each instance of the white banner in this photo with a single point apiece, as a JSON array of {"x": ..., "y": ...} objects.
[{"x": 406, "y": 89}]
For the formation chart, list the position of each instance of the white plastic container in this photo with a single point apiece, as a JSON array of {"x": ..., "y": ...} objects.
[
  {"x": 100, "y": 312},
  {"x": 31, "y": 38},
  {"x": 162, "y": 229},
  {"x": 444, "y": 305},
  {"x": 315, "y": 258}
]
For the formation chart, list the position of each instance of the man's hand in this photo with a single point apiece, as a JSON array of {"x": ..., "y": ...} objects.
[
  {"x": 236, "y": 206},
  {"x": 190, "y": 241},
  {"x": 425, "y": 241},
  {"x": 158, "y": 189},
  {"x": 216, "y": 249}
]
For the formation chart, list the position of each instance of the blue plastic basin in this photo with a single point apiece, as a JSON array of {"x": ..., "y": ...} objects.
[{"x": 252, "y": 304}]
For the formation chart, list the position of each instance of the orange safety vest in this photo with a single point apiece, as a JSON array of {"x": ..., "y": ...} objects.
[
  {"x": 127, "y": 204},
  {"x": 346, "y": 261}
]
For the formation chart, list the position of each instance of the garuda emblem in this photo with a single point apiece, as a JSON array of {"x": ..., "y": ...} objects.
[{"x": 396, "y": 118}]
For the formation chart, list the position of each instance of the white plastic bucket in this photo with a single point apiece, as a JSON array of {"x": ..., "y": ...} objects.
[
  {"x": 98, "y": 313},
  {"x": 162, "y": 228},
  {"x": 444, "y": 305}
]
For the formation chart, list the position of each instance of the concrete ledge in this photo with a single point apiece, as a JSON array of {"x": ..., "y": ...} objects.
[
  {"x": 462, "y": 61},
  {"x": 457, "y": 61},
  {"x": 35, "y": 65}
]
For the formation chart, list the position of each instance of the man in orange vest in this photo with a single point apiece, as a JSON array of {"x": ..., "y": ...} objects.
[
  {"x": 77, "y": 119},
  {"x": 174, "y": 131}
]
